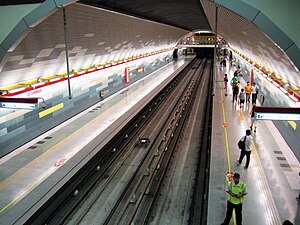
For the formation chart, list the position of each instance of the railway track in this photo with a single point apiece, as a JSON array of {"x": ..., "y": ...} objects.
[{"x": 157, "y": 153}]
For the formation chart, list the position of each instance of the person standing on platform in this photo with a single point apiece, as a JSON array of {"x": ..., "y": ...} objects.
[
  {"x": 225, "y": 81},
  {"x": 236, "y": 190},
  {"x": 248, "y": 91},
  {"x": 247, "y": 139},
  {"x": 223, "y": 63},
  {"x": 235, "y": 92},
  {"x": 234, "y": 80},
  {"x": 254, "y": 91},
  {"x": 242, "y": 98},
  {"x": 253, "y": 118}
]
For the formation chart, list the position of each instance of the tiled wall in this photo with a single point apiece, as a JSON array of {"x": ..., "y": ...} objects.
[
  {"x": 18, "y": 131},
  {"x": 94, "y": 36}
]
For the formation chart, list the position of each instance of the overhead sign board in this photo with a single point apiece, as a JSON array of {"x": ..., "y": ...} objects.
[
  {"x": 276, "y": 116},
  {"x": 273, "y": 113},
  {"x": 19, "y": 103},
  {"x": 14, "y": 105}
]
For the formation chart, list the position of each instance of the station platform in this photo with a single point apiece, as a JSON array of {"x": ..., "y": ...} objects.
[
  {"x": 272, "y": 177},
  {"x": 32, "y": 173}
]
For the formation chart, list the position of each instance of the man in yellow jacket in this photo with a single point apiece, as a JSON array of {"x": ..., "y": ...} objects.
[
  {"x": 236, "y": 191},
  {"x": 248, "y": 91}
]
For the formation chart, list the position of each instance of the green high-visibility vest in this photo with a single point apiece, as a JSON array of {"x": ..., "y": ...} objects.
[
  {"x": 236, "y": 189},
  {"x": 234, "y": 80}
]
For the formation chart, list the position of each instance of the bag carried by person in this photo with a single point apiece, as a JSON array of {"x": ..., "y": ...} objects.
[{"x": 242, "y": 144}]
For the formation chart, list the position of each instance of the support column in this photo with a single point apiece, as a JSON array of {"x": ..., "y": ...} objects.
[
  {"x": 67, "y": 54},
  {"x": 215, "y": 51}
]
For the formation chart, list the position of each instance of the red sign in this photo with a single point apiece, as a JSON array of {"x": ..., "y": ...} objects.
[
  {"x": 229, "y": 176},
  {"x": 127, "y": 75},
  {"x": 251, "y": 76}
]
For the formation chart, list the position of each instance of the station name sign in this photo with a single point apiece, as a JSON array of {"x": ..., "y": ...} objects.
[
  {"x": 19, "y": 103},
  {"x": 274, "y": 113}
]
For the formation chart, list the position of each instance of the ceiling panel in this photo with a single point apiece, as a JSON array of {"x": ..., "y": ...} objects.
[{"x": 187, "y": 14}]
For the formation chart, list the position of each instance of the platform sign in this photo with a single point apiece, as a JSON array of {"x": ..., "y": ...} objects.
[
  {"x": 276, "y": 116},
  {"x": 19, "y": 103},
  {"x": 15, "y": 105},
  {"x": 273, "y": 113}
]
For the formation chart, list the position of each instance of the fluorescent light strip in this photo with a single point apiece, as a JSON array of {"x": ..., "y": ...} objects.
[
  {"x": 16, "y": 90},
  {"x": 293, "y": 98},
  {"x": 283, "y": 90}
]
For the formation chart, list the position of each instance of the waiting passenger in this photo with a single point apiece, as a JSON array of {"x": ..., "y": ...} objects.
[
  {"x": 225, "y": 81},
  {"x": 253, "y": 118},
  {"x": 236, "y": 191},
  {"x": 242, "y": 97},
  {"x": 247, "y": 139},
  {"x": 234, "y": 80},
  {"x": 223, "y": 63},
  {"x": 235, "y": 91},
  {"x": 248, "y": 92},
  {"x": 254, "y": 91}
]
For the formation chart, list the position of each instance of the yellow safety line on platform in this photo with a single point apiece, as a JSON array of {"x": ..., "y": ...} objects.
[
  {"x": 21, "y": 194},
  {"x": 226, "y": 135},
  {"x": 225, "y": 128},
  {"x": 226, "y": 138}
]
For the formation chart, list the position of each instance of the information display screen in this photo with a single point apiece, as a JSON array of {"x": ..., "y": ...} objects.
[
  {"x": 14, "y": 105},
  {"x": 276, "y": 116}
]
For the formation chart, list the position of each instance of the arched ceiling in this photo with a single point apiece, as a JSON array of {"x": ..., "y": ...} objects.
[{"x": 251, "y": 29}]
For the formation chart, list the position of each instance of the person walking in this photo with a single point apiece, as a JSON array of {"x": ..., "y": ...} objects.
[
  {"x": 223, "y": 63},
  {"x": 225, "y": 84},
  {"x": 225, "y": 81},
  {"x": 253, "y": 118},
  {"x": 248, "y": 91},
  {"x": 235, "y": 92},
  {"x": 242, "y": 97},
  {"x": 236, "y": 190},
  {"x": 254, "y": 91},
  {"x": 247, "y": 139},
  {"x": 234, "y": 80}
]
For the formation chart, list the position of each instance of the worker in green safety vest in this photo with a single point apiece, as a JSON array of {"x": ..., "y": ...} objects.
[
  {"x": 236, "y": 191},
  {"x": 234, "y": 80}
]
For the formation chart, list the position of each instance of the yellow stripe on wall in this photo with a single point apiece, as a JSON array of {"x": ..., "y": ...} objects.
[
  {"x": 51, "y": 110},
  {"x": 293, "y": 124}
]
